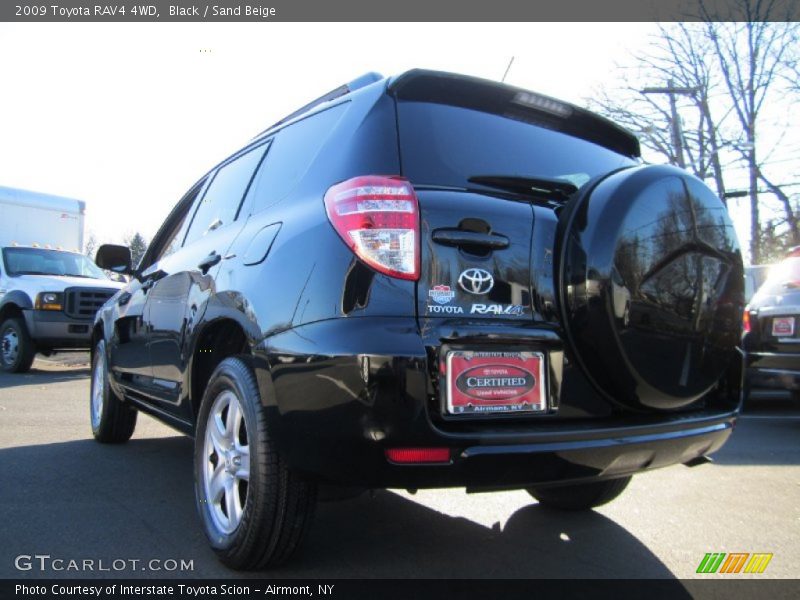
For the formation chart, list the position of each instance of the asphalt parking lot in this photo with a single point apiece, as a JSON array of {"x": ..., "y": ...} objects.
[{"x": 65, "y": 496}]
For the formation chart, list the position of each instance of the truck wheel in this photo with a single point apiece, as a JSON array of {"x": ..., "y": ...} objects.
[
  {"x": 16, "y": 346},
  {"x": 580, "y": 496},
  {"x": 113, "y": 421},
  {"x": 255, "y": 511}
]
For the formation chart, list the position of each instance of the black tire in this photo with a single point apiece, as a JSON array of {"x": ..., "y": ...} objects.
[
  {"x": 275, "y": 504},
  {"x": 580, "y": 496},
  {"x": 112, "y": 420},
  {"x": 17, "y": 349}
]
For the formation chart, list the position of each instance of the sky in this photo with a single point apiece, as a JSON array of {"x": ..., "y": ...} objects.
[{"x": 128, "y": 116}]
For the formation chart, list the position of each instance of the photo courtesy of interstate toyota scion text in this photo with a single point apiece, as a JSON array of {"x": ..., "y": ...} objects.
[{"x": 425, "y": 281}]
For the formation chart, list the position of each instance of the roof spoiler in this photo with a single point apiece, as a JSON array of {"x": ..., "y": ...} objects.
[
  {"x": 516, "y": 103},
  {"x": 342, "y": 90}
]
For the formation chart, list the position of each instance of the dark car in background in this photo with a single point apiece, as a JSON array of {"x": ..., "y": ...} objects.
[
  {"x": 771, "y": 330},
  {"x": 426, "y": 281}
]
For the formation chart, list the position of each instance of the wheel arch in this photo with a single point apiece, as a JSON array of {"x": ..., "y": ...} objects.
[
  {"x": 98, "y": 333},
  {"x": 215, "y": 341},
  {"x": 13, "y": 304}
]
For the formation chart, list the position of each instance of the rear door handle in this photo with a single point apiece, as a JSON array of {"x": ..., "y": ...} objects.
[
  {"x": 208, "y": 262},
  {"x": 460, "y": 237}
]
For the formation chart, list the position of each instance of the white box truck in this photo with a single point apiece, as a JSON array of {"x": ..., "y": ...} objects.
[
  {"x": 49, "y": 291},
  {"x": 31, "y": 218}
]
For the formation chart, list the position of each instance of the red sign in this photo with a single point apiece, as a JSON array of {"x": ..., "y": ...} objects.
[{"x": 492, "y": 382}]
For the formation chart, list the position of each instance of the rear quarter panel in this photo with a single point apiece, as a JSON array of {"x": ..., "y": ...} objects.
[{"x": 309, "y": 274}]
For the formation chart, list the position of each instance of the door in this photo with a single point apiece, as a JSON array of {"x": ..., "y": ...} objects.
[
  {"x": 185, "y": 278},
  {"x": 129, "y": 356},
  {"x": 129, "y": 359}
]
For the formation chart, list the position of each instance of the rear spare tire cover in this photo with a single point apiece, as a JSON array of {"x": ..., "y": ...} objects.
[{"x": 651, "y": 287}]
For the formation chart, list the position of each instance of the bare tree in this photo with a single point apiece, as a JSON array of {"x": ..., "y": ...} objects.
[
  {"x": 727, "y": 72},
  {"x": 90, "y": 246},
  {"x": 751, "y": 55},
  {"x": 678, "y": 56}
]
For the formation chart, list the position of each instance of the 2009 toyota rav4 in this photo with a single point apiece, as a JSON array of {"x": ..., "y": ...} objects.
[{"x": 426, "y": 281}]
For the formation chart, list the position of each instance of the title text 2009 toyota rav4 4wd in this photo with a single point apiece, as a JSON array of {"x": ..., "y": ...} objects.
[{"x": 426, "y": 281}]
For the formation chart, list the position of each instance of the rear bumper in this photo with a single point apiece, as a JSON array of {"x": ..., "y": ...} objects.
[
  {"x": 341, "y": 392},
  {"x": 54, "y": 329},
  {"x": 520, "y": 465},
  {"x": 773, "y": 370}
]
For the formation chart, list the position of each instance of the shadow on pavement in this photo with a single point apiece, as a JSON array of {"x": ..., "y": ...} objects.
[
  {"x": 42, "y": 377},
  {"x": 80, "y": 499}
]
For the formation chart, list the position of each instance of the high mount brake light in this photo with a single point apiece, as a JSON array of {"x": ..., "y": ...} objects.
[{"x": 378, "y": 218}]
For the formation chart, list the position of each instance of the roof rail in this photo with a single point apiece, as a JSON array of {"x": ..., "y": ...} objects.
[{"x": 357, "y": 83}]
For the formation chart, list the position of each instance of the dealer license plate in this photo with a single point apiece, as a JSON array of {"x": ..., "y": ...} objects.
[
  {"x": 783, "y": 326},
  {"x": 495, "y": 382}
]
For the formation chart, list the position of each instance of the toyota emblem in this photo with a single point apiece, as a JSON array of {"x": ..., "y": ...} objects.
[{"x": 476, "y": 281}]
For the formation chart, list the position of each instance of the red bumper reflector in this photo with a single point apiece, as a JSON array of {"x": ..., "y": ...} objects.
[{"x": 407, "y": 456}]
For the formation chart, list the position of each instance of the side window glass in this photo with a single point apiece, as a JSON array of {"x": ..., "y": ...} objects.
[
  {"x": 169, "y": 237},
  {"x": 174, "y": 241},
  {"x": 291, "y": 154},
  {"x": 221, "y": 201}
]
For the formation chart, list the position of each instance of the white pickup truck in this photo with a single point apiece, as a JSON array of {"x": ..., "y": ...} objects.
[{"x": 49, "y": 291}]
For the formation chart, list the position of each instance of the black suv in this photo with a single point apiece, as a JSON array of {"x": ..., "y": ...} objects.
[
  {"x": 426, "y": 281},
  {"x": 772, "y": 330}
]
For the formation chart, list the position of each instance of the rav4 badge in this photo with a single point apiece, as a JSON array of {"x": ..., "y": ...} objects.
[{"x": 497, "y": 309}]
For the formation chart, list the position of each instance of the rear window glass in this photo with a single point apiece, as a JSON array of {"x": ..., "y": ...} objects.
[
  {"x": 446, "y": 145},
  {"x": 783, "y": 278},
  {"x": 292, "y": 152}
]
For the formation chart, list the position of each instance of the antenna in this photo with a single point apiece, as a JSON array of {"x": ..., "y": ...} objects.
[{"x": 508, "y": 68}]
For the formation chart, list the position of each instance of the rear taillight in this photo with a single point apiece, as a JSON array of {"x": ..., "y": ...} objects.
[
  {"x": 378, "y": 218},
  {"x": 746, "y": 321}
]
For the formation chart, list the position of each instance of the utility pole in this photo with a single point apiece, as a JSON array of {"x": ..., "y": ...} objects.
[{"x": 675, "y": 122}]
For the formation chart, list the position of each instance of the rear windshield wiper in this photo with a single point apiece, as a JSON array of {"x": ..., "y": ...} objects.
[{"x": 540, "y": 187}]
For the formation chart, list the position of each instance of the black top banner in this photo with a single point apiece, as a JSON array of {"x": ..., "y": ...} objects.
[{"x": 398, "y": 10}]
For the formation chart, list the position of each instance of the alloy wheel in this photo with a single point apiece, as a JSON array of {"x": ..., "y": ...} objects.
[{"x": 226, "y": 454}]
